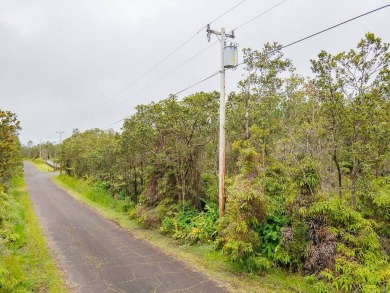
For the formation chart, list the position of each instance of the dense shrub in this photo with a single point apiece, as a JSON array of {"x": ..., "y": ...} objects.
[
  {"x": 191, "y": 226},
  {"x": 245, "y": 211},
  {"x": 360, "y": 264}
]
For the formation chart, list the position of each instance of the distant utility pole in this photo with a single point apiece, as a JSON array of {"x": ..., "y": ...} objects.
[
  {"x": 40, "y": 148},
  {"x": 222, "y": 164},
  {"x": 60, "y": 132}
]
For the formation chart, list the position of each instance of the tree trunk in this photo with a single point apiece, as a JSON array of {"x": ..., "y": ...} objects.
[
  {"x": 247, "y": 95},
  {"x": 142, "y": 173},
  {"x": 354, "y": 178},
  {"x": 335, "y": 160},
  {"x": 135, "y": 183}
]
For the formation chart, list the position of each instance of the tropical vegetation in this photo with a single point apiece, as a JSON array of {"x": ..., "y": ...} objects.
[
  {"x": 25, "y": 262},
  {"x": 307, "y": 162}
]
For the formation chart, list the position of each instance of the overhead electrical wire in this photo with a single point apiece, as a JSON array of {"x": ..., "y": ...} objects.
[
  {"x": 325, "y": 30},
  {"x": 334, "y": 26},
  {"x": 199, "y": 82},
  {"x": 203, "y": 80},
  {"x": 259, "y": 15},
  {"x": 283, "y": 47},
  {"x": 159, "y": 62},
  {"x": 192, "y": 85},
  {"x": 226, "y": 12},
  {"x": 161, "y": 77}
]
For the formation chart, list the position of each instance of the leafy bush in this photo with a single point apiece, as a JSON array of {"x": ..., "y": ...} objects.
[
  {"x": 209, "y": 187},
  {"x": 203, "y": 226},
  {"x": 293, "y": 248},
  {"x": 238, "y": 236},
  {"x": 360, "y": 264},
  {"x": 10, "y": 219},
  {"x": 271, "y": 234},
  {"x": 191, "y": 226},
  {"x": 146, "y": 216},
  {"x": 245, "y": 210}
]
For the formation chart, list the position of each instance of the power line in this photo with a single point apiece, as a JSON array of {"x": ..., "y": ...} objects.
[
  {"x": 259, "y": 15},
  {"x": 146, "y": 73},
  {"x": 187, "y": 88},
  {"x": 324, "y": 30},
  {"x": 226, "y": 12},
  {"x": 283, "y": 47},
  {"x": 334, "y": 26},
  {"x": 203, "y": 80},
  {"x": 160, "y": 78},
  {"x": 160, "y": 62}
]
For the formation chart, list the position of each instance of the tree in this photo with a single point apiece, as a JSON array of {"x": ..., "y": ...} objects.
[
  {"x": 9, "y": 144},
  {"x": 349, "y": 87},
  {"x": 265, "y": 77}
]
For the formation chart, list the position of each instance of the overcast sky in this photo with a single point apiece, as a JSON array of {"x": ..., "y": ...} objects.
[{"x": 63, "y": 63}]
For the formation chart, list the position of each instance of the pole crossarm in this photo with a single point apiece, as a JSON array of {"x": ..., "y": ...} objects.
[{"x": 210, "y": 32}]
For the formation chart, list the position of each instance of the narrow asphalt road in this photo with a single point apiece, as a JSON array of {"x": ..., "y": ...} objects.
[{"x": 99, "y": 256}]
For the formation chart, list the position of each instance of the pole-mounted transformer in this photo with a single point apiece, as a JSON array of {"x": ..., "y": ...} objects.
[{"x": 230, "y": 55}]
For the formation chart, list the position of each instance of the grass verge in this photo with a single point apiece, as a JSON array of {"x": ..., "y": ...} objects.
[
  {"x": 201, "y": 258},
  {"x": 28, "y": 266},
  {"x": 42, "y": 166}
]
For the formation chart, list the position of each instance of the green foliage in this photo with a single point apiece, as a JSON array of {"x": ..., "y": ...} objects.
[
  {"x": 271, "y": 234},
  {"x": 321, "y": 287},
  {"x": 307, "y": 165},
  {"x": 275, "y": 181},
  {"x": 170, "y": 138},
  {"x": 209, "y": 187},
  {"x": 97, "y": 191},
  {"x": 90, "y": 154},
  {"x": 10, "y": 264},
  {"x": 378, "y": 200},
  {"x": 245, "y": 211},
  {"x": 9, "y": 146},
  {"x": 9, "y": 218},
  {"x": 204, "y": 225},
  {"x": 360, "y": 263},
  {"x": 293, "y": 249},
  {"x": 307, "y": 178},
  {"x": 191, "y": 226},
  {"x": 25, "y": 262}
]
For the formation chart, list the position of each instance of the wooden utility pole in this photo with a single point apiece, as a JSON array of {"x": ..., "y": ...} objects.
[
  {"x": 40, "y": 148},
  {"x": 221, "y": 161},
  {"x": 60, "y": 132}
]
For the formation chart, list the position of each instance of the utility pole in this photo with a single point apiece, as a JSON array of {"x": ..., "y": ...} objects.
[
  {"x": 60, "y": 132},
  {"x": 40, "y": 147},
  {"x": 221, "y": 162}
]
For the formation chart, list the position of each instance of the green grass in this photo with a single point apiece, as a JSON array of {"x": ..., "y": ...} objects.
[
  {"x": 201, "y": 258},
  {"x": 42, "y": 166},
  {"x": 28, "y": 265}
]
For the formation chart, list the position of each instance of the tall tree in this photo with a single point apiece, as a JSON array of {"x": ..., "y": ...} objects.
[
  {"x": 9, "y": 144},
  {"x": 349, "y": 88}
]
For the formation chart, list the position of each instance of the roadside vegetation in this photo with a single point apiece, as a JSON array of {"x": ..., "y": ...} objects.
[
  {"x": 42, "y": 166},
  {"x": 308, "y": 168},
  {"x": 25, "y": 261},
  {"x": 202, "y": 257}
]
